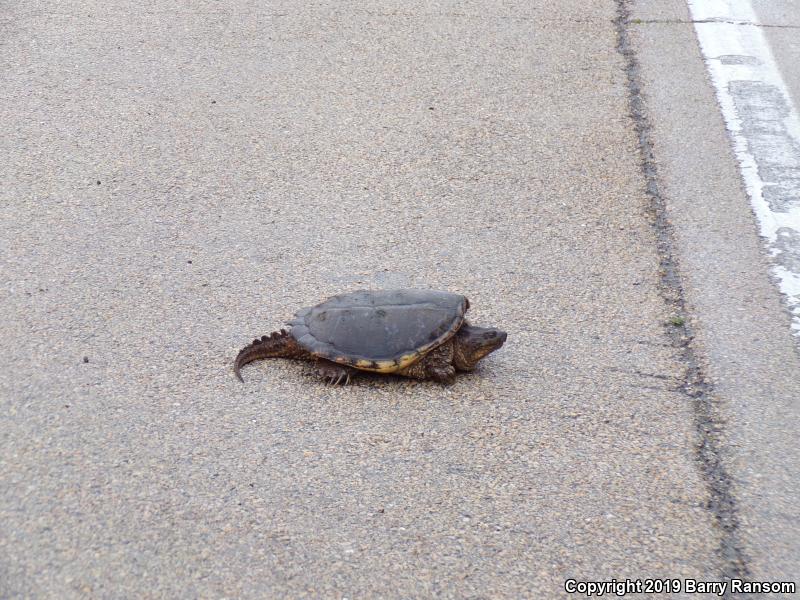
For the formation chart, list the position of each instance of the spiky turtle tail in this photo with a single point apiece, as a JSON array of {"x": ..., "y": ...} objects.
[{"x": 278, "y": 344}]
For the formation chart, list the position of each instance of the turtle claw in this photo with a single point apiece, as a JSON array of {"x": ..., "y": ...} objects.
[
  {"x": 333, "y": 374},
  {"x": 342, "y": 379}
]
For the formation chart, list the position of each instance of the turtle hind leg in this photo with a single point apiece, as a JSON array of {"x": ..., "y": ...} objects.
[
  {"x": 335, "y": 374},
  {"x": 278, "y": 344}
]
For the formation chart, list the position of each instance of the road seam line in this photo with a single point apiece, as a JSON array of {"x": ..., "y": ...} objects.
[{"x": 694, "y": 385}]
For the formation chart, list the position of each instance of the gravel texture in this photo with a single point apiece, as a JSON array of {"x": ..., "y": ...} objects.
[
  {"x": 741, "y": 328},
  {"x": 177, "y": 181}
]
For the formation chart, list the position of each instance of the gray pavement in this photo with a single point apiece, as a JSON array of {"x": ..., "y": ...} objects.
[
  {"x": 741, "y": 328},
  {"x": 177, "y": 181}
]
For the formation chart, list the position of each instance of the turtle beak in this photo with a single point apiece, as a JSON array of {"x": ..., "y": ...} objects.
[{"x": 493, "y": 339}]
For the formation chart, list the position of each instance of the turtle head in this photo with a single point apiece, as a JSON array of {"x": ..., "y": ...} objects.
[{"x": 473, "y": 343}]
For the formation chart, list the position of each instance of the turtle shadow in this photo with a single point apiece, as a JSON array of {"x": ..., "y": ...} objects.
[{"x": 389, "y": 380}]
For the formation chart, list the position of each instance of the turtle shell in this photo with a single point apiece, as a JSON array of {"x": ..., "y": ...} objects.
[{"x": 382, "y": 331}]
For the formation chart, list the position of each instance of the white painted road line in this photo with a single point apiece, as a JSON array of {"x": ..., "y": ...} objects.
[{"x": 764, "y": 126}]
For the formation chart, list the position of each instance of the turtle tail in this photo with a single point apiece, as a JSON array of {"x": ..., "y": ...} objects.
[{"x": 278, "y": 344}]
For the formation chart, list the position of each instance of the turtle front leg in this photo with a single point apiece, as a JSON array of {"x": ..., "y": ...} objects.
[
  {"x": 333, "y": 373},
  {"x": 442, "y": 373},
  {"x": 436, "y": 365}
]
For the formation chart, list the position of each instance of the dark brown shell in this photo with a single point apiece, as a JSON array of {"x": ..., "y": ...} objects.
[{"x": 383, "y": 330}]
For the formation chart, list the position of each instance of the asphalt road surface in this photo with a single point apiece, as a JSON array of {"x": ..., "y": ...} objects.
[{"x": 178, "y": 179}]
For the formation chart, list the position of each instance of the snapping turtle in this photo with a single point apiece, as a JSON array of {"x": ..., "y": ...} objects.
[{"x": 415, "y": 333}]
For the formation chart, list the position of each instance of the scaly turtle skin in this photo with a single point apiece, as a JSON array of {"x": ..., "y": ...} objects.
[{"x": 414, "y": 333}]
